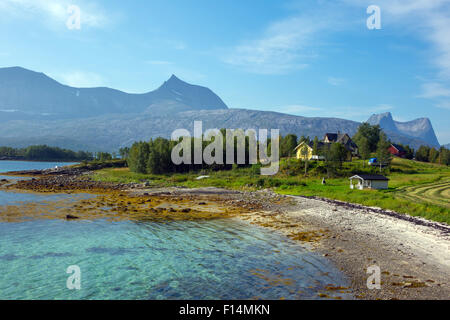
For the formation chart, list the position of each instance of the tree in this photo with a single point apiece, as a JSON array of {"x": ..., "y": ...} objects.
[
  {"x": 364, "y": 149},
  {"x": 326, "y": 153},
  {"x": 159, "y": 159},
  {"x": 138, "y": 157},
  {"x": 316, "y": 146},
  {"x": 287, "y": 145},
  {"x": 371, "y": 133},
  {"x": 444, "y": 156},
  {"x": 384, "y": 157},
  {"x": 423, "y": 153},
  {"x": 304, "y": 151},
  {"x": 103, "y": 156},
  {"x": 123, "y": 152},
  {"x": 338, "y": 154},
  {"x": 334, "y": 155},
  {"x": 433, "y": 155},
  {"x": 409, "y": 152}
]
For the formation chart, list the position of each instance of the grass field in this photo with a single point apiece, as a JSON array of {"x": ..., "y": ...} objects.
[
  {"x": 437, "y": 192},
  {"x": 415, "y": 188}
]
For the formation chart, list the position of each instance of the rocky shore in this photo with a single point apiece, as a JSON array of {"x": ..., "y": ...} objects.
[{"x": 412, "y": 253}]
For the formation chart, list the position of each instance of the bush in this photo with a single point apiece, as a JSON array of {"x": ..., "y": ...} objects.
[
  {"x": 271, "y": 183},
  {"x": 294, "y": 183},
  {"x": 292, "y": 167},
  {"x": 256, "y": 169}
]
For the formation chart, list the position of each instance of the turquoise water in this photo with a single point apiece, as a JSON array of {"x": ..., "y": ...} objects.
[
  {"x": 216, "y": 259},
  {"x": 6, "y": 166}
]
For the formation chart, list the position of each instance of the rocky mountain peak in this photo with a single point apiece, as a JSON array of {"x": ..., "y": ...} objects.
[
  {"x": 420, "y": 128},
  {"x": 174, "y": 82}
]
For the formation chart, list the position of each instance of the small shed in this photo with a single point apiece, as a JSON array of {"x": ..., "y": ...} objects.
[{"x": 368, "y": 181}]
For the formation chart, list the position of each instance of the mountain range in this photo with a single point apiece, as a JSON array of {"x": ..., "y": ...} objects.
[
  {"x": 35, "y": 109},
  {"x": 28, "y": 94}
]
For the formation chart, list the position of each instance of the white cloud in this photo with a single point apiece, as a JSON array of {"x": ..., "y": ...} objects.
[
  {"x": 54, "y": 11},
  {"x": 336, "y": 81},
  {"x": 285, "y": 46},
  {"x": 428, "y": 19},
  {"x": 80, "y": 79},
  {"x": 431, "y": 18},
  {"x": 434, "y": 90},
  {"x": 440, "y": 36},
  {"x": 401, "y": 7}
]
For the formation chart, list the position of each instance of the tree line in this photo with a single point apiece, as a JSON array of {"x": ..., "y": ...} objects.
[
  {"x": 48, "y": 153},
  {"x": 44, "y": 153},
  {"x": 427, "y": 154},
  {"x": 155, "y": 156}
]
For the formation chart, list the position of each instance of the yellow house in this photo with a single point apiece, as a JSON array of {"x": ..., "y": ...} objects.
[{"x": 304, "y": 151}]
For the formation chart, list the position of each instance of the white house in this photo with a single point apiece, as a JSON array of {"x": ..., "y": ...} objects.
[{"x": 368, "y": 181}]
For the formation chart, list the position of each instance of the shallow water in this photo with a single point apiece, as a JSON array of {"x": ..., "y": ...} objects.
[
  {"x": 7, "y": 198},
  {"x": 214, "y": 259},
  {"x": 6, "y": 166}
]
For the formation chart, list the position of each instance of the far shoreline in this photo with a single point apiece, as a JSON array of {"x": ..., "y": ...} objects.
[{"x": 61, "y": 161}]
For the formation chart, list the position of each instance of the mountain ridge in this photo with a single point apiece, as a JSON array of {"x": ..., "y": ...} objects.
[
  {"x": 420, "y": 128},
  {"x": 29, "y": 92},
  {"x": 34, "y": 108}
]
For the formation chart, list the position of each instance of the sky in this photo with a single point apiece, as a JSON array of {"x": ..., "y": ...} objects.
[{"x": 315, "y": 58}]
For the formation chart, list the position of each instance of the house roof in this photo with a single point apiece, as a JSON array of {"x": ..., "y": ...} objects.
[
  {"x": 399, "y": 148},
  {"x": 302, "y": 143},
  {"x": 370, "y": 177},
  {"x": 331, "y": 136},
  {"x": 310, "y": 144},
  {"x": 342, "y": 138}
]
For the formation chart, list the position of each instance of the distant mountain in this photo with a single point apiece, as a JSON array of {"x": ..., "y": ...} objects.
[
  {"x": 35, "y": 109},
  {"x": 447, "y": 146},
  {"x": 28, "y": 94},
  {"x": 417, "y": 132},
  {"x": 110, "y": 132}
]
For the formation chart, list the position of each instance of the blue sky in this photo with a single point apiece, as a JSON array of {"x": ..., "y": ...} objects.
[{"x": 310, "y": 58}]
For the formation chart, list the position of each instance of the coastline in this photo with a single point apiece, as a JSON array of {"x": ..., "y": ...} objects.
[
  {"x": 413, "y": 257},
  {"x": 412, "y": 253}
]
